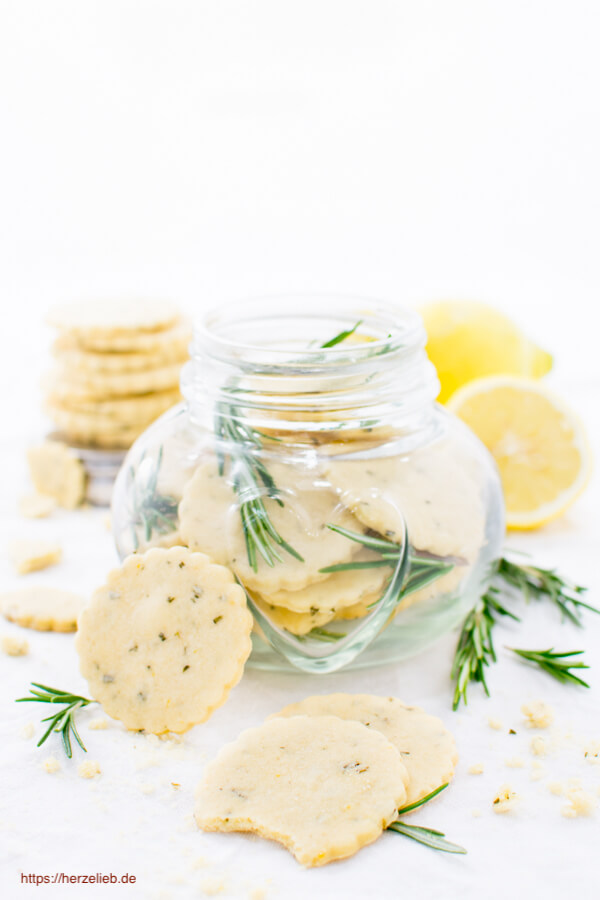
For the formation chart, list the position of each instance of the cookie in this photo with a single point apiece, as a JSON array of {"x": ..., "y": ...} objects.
[
  {"x": 32, "y": 555},
  {"x": 36, "y": 506},
  {"x": 56, "y": 471},
  {"x": 162, "y": 643},
  {"x": 131, "y": 341},
  {"x": 427, "y": 748},
  {"x": 119, "y": 410},
  {"x": 321, "y": 786},
  {"x": 42, "y": 608},
  {"x": 106, "y": 318},
  {"x": 294, "y": 622},
  {"x": 433, "y": 489},
  {"x": 70, "y": 387},
  {"x": 90, "y": 362},
  {"x": 302, "y": 521}
]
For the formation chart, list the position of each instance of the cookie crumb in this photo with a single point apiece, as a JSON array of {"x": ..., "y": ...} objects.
[
  {"x": 258, "y": 893},
  {"x": 538, "y": 746},
  {"x": 505, "y": 800},
  {"x": 27, "y": 731},
  {"x": 537, "y": 771},
  {"x": 475, "y": 769},
  {"x": 514, "y": 762},
  {"x": 33, "y": 555},
  {"x": 98, "y": 724},
  {"x": 36, "y": 506},
  {"x": 51, "y": 765},
  {"x": 14, "y": 646},
  {"x": 496, "y": 724},
  {"x": 212, "y": 886},
  {"x": 476, "y": 813},
  {"x": 538, "y": 714},
  {"x": 147, "y": 788},
  {"x": 591, "y": 751},
  {"x": 88, "y": 769},
  {"x": 556, "y": 788},
  {"x": 581, "y": 803}
]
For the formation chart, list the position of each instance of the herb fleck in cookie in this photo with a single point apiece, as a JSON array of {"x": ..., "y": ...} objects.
[
  {"x": 427, "y": 748},
  {"x": 42, "y": 608},
  {"x": 164, "y": 640},
  {"x": 321, "y": 786}
]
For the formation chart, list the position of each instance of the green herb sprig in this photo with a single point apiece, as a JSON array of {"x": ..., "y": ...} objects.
[
  {"x": 150, "y": 511},
  {"x": 558, "y": 665},
  {"x": 341, "y": 336},
  {"x": 62, "y": 721},
  {"x": 545, "y": 584},
  {"x": 428, "y": 836}
]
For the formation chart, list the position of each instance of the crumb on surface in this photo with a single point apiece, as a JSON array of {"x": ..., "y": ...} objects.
[
  {"x": 514, "y": 762},
  {"x": 475, "y": 769},
  {"x": 14, "y": 646},
  {"x": 98, "y": 724},
  {"x": 556, "y": 788},
  {"x": 591, "y": 751},
  {"x": 538, "y": 745},
  {"x": 496, "y": 724},
  {"x": 212, "y": 886},
  {"x": 537, "y": 771},
  {"x": 537, "y": 714},
  {"x": 147, "y": 788},
  {"x": 32, "y": 555},
  {"x": 476, "y": 813},
  {"x": 27, "y": 731},
  {"x": 580, "y": 803},
  {"x": 258, "y": 893},
  {"x": 505, "y": 800},
  {"x": 36, "y": 506},
  {"x": 89, "y": 768},
  {"x": 51, "y": 765}
]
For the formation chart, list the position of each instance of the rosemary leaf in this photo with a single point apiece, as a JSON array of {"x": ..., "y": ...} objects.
[
  {"x": 533, "y": 581},
  {"x": 63, "y": 721},
  {"x": 340, "y": 337},
  {"x": 423, "y": 800},
  {"x": 558, "y": 665},
  {"x": 428, "y": 836}
]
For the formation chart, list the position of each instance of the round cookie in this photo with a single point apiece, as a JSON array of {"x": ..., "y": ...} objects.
[
  {"x": 42, "y": 608},
  {"x": 109, "y": 317},
  {"x": 65, "y": 385},
  {"x": 294, "y": 622},
  {"x": 162, "y": 643},
  {"x": 125, "y": 410},
  {"x": 427, "y": 748},
  {"x": 131, "y": 341},
  {"x": 321, "y": 786},
  {"x": 210, "y": 522},
  {"x": 436, "y": 493},
  {"x": 92, "y": 362}
]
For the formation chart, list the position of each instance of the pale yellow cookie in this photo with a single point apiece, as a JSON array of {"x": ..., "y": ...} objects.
[
  {"x": 131, "y": 341},
  {"x": 76, "y": 359},
  {"x": 321, "y": 786},
  {"x": 56, "y": 471},
  {"x": 105, "y": 318},
  {"x": 120, "y": 410},
  {"x": 294, "y": 622},
  {"x": 42, "y": 608},
  {"x": 36, "y": 506},
  {"x": 97, "y": 424},
  {"x": 120, "y": 439},
  {"x": 32, "y": 555},
  {"x": 162, "y": 643},
  {"x": 71, "y": 387},
  {"x": 427, "y": 748},
  {"x": 302, "y": 521}
]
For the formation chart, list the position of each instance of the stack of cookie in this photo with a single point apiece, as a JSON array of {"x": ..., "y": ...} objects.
[{"x": 117, "y": 369}]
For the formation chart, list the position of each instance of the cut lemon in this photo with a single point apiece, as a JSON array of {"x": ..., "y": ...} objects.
[
  {"x": 539, "y": 445},
  {"x": 467, "y": 340}
]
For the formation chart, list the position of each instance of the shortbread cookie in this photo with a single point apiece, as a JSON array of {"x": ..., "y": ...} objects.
[
  {"x": 56, "y": 471},
  {"x": 70, "y": 386},
  {"x": 131, "y": 341},
  {"x": 296, "y": 623},
  {"x": 106, "y": 318},
  {"x": 427, "y": 748},
  {"x": 302, "y": 521},
  {"x": 92, "y": 424},
  {"x": 42, "y": 608},
  {"x": 321, "y": 786},
  {"x": 436, "y": 492},
  {"x": 164, "y": 640},
  {"x": 339, "y": 590},
  {"x": 76, "y": 359},
  {"x": 32, "y": 555},
  {"x": 36, "y": 506},
  {"x": 119, "y": 410},
  {"x": 120, "y": 439}
]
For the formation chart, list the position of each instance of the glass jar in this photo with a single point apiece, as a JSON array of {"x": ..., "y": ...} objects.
[{"x": 309, "y": 456}]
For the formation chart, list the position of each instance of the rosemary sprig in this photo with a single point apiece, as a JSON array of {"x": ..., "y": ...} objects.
[
  {"x": 558, "y": 665},
  {"x": 62, "y": 721},
  {"x": 533, "y": 581},
  {"x": 428, "y": 836},
  {"x": 151, "y": 512},
  {"x": 475, "y": 648},
  {"x": 341, "y": 336},
  {"x": 239, "y": 443}
]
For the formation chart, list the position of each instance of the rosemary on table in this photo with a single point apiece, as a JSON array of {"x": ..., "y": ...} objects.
[
  {"x": 62, "y": 721},
  {"x": 475, "y": 648},
  {"x": 428, "y": 836},
  {"x": 558, "y": 665},
  {"x": 151, "y": 512}
]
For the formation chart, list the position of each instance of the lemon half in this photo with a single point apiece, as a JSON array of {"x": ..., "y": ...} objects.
[{"x": 538, "y": 443}]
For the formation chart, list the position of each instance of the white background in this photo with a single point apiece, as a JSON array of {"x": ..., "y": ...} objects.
[{"x": 214, "y": 150}]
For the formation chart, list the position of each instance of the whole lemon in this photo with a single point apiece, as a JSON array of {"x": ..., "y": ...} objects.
[{"x": 467, "y": 340}]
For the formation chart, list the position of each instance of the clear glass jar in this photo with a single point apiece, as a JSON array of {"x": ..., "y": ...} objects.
[{"x": 360, "y": 516}]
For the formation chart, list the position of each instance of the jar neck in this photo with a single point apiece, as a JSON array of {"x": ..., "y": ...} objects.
[{"x": 264, "y": 361}]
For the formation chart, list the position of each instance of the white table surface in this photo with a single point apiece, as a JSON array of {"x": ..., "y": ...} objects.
[{"x": 60, "y": 822}]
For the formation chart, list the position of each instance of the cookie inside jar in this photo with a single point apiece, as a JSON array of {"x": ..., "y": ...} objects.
[{"x": 359, "y": 516}]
